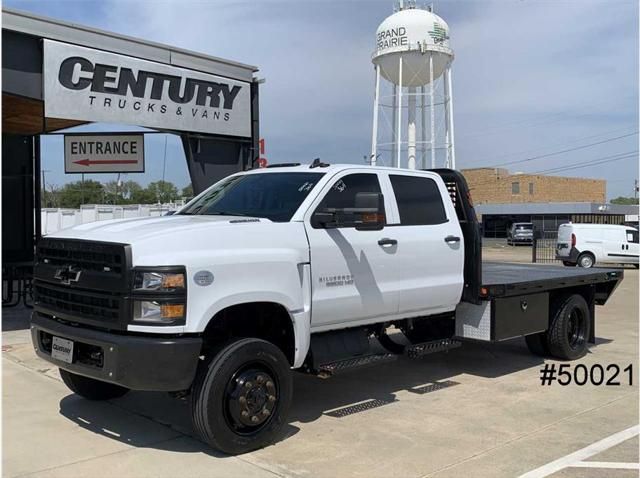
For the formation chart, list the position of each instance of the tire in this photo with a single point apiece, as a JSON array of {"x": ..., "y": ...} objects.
[
  {"x": 537, "y": 344},
  {"x": 90, "y": 388},
  {"x": 586, "y": 260},
  {"x": 242, "y": 377},
  {"x": 569, "y": 264},
  {"x": 570, "y": 328}
]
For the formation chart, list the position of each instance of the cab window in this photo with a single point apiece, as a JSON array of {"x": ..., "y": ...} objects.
[
  {"x": 419, "y": 200},
  {"x": 343, "y": 192},
  {"x": 632, "y": 236}
]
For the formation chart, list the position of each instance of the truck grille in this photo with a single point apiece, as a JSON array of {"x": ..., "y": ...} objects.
[
  {"x": 85, "y": 255},
  {"x": 86, "y": 282},
  {"x": 72, "y": 303}
]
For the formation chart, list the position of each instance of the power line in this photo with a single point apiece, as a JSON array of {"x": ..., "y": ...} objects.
[
  {"x": 567, "y": 167},
  {"x": 555, "y": 153},
  {"x": 586, "y": 164},
  {"x": 562, "y": 143}
]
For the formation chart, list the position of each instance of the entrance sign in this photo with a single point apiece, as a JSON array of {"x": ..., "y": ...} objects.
[
  {"x": 94, "y": 85},
  {"x": 104, "y": 153}
]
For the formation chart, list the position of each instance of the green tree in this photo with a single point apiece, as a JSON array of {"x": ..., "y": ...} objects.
[
  {"x": 112, "y": 192},
  {"x": 143, "y": 196},
  {"x": 50, "y": 197},
  {"x": 187, "y": 191},
  {"x": 129, "y": 190},
  {"x": 158, "y": 192},
  {"x": 624, "y": 200},
  {"x": 74, "y": 194}
]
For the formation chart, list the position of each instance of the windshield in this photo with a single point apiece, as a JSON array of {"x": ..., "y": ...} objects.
[
  {"x": 524, "y": 227},
  {"x": 274, "y": 196}
]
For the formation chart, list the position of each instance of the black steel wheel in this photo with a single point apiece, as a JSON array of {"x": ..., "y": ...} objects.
[
  {"x": 570, "y": 328},
  {"x": 90, "y": 388},
  {"x": 241, "y": 396}
]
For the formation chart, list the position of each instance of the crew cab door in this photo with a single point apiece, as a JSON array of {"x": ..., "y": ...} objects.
[
  {"x": 428, "y": 265},
  {"x": 351, "y": 272}
]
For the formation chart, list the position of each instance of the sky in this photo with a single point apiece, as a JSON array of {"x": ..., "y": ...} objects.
[{"x": 531, "y": 78}]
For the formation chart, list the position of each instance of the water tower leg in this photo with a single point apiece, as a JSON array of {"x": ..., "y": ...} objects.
[
  {"x": 433, "y": 113},
  {"x": 411, "y": 128},
  {"x": 399, "y": 113},
  {"x": 450, "y": 104},
  {"x": 394, "y": 125},
  {"x": 423, "y": 123},
  {"x": 447, "y": 137},
  {"x": 374, "y": 133}
]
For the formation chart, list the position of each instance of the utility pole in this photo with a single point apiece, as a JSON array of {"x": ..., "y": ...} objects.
[{"x": 44, "y": 185}]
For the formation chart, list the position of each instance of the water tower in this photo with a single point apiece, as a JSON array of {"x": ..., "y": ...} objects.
[{"x": 413, "y": 59}]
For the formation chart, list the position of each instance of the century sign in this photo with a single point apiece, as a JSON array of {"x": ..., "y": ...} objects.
[
  {"x": 104, "y": 153},
  {"x": 93, "y": 85}
]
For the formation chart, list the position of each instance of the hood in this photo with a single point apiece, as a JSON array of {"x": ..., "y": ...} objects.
[{"x": 128, "y": 231}]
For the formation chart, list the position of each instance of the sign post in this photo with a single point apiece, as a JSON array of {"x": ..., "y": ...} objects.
[{"x": 103, "y": 153}]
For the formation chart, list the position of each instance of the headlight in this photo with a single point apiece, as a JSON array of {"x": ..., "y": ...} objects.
[
  {"x": 159, "y": 295},
  {"x": 158, "y": 311},
  {"x": 159, "y": 281}
]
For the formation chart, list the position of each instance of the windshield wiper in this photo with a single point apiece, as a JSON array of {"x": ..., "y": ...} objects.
[{"x": 226, "y": 213}]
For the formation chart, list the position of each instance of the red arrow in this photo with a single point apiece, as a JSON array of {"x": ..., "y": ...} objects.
[{"x": 89, "y": 162}]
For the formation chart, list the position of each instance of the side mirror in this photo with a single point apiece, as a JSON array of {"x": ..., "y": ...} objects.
[
  {"x": 370, "y": 208},
  {"x": 367, "y": 215}
]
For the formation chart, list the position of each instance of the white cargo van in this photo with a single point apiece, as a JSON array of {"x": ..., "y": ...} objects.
[{"x": 589, "y": 244}]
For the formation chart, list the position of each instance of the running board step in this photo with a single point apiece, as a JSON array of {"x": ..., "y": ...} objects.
[
  {"x": 328, "y": 369},
  {"x": 425, "y": 348}
]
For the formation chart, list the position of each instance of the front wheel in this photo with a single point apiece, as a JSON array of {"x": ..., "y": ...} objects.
[
  {"x": 241, "y": 396},
  {"x": 90, "y": 388}
]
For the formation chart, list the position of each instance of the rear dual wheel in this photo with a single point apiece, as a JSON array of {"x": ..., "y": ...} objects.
[{"x": 568, "y": 332}]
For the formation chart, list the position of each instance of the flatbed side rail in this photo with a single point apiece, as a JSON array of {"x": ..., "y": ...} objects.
[{"x": 461, "y": 198}]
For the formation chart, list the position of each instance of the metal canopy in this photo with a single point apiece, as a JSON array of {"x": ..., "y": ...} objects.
[{"x": 44, "y": 27}]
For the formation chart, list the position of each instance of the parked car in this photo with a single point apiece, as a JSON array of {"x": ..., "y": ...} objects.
[
  {"x": 589, "y": 244},
  {"x": 520, "y": 233}
]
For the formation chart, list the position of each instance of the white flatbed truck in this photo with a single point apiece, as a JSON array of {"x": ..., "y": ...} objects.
[{"x": 287, "y": 268}]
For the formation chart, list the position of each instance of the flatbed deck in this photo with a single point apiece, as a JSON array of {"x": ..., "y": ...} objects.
[{"x": 507, "y": 279}]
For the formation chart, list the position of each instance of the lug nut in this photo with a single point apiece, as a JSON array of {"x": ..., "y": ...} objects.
[
  {"x": 269, "y": 383},
  {"x": 245, "y": 413},
  {"x": 272, "y": 398},
  {"x": 243, "y": 400},
  {"x": 254, "y": 419},
  {"x": 248, "y": 384},
  {"x": 260, "y": 379},
  {"x": 265, "y": 412}
]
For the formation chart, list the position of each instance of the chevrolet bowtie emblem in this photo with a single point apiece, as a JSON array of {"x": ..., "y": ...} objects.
[{"x": 68, "y": 274}]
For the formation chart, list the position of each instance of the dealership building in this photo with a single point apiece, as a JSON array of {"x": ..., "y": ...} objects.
[
  {"x": 502, "y": 198},
  {"x": 56, "y": 75}
]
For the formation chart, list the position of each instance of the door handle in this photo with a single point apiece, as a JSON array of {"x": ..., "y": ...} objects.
[
  {"x": 450, "y": 239},
  {"x": 387, "y": 242}
]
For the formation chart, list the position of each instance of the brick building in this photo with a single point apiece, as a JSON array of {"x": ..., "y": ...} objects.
[
  {"x": 502, "y": 198},
  {"x": 498, "y": 186}
]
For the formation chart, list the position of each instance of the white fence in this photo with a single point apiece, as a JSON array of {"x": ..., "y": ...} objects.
[{"x": 55, "y": 219}]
